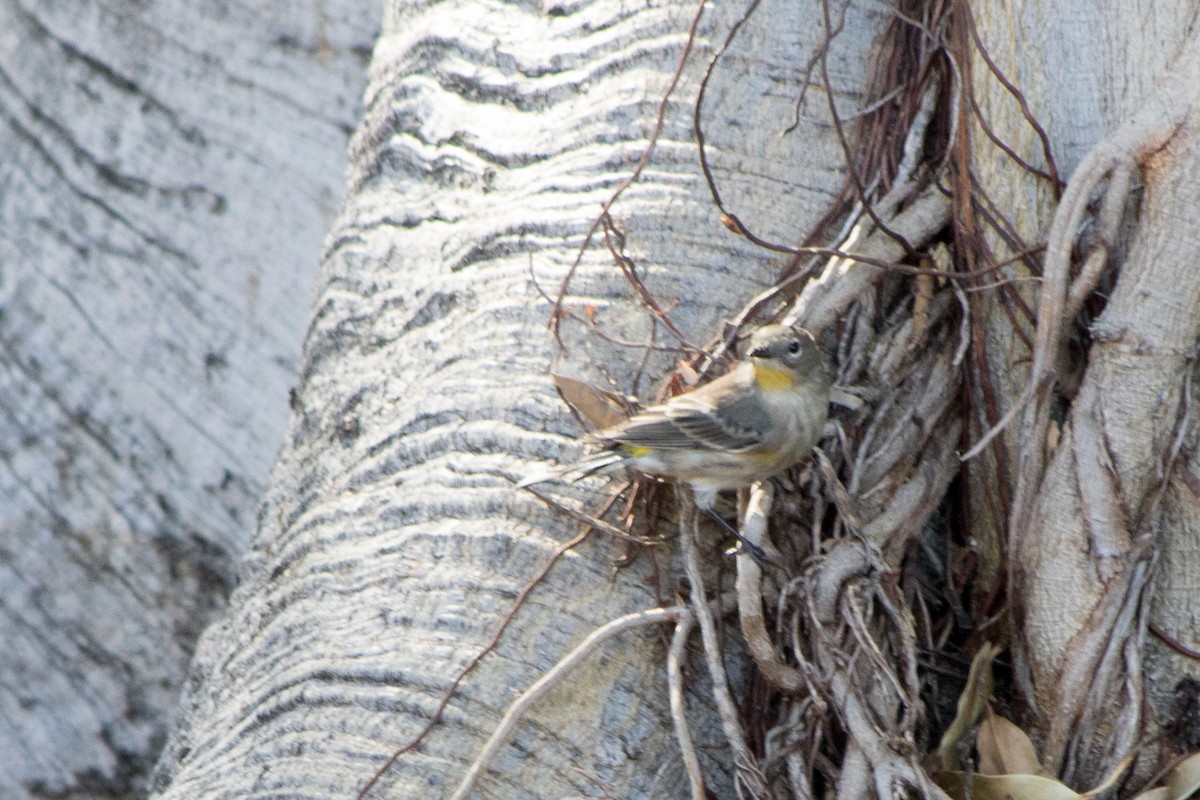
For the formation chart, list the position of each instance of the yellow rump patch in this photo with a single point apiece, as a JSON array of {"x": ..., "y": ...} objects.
[
  {"x": 770, "y": 378},
  {"x": 634, "y": 451}
]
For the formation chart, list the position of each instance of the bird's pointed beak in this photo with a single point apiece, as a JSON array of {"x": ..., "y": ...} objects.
[{"x": 759, "y": 352}]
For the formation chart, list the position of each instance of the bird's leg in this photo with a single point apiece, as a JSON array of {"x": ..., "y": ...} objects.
[{"x": 756, "y": 552}]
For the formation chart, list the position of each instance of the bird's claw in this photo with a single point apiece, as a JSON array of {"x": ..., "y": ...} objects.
[{"x": 746, "y": 548}]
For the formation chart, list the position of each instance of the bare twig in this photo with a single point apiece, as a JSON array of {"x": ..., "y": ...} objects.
[
  {"x": 998, "y": 428},
  {"x": 851, "y": 169},
  {"x": 522, "y": 596},
  {"x": 750, "y": 600},
  {"x": 557, "y": 673},
  {"x": 748, "y": 772},
  {"x": 675, "y": 658},
  {"x": 728, "y": 218},
  {"x": 659, "y": 121},
  {"x": 1053, "y": 174},
  {"x": 628, "y": 270},
  {"x": 589, "y": 520},
  {"x": 839, "y": 285}
]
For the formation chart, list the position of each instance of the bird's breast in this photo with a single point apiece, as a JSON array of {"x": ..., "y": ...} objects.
[{"x": 773, "y": 379}]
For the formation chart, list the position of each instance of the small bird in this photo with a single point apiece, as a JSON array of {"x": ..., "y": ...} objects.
[{"x": 748, "y": 425}]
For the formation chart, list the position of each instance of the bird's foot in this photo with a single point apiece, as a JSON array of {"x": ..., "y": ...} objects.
[{"x": 744, "y": 545}]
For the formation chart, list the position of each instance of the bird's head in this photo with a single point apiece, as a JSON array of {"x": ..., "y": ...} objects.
[{"x": 783, "y": 355}]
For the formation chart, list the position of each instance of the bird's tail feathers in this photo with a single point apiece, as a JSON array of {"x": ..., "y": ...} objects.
[
  {"x": 597, "y": 462},
  {"x": 577, "y": 470}
]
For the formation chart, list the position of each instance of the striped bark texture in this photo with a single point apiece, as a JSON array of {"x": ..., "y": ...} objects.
[
  {"x": 392, "y": 543},
  {"x": 167, "y": 173}
]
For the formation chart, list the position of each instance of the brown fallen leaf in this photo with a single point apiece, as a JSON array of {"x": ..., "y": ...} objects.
[
  {"x": 596, "y": 408},
  {"x": 1005, "y": 749}
]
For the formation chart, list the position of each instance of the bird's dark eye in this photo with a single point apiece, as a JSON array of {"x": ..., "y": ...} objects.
[{"x": 794, "y": 347}]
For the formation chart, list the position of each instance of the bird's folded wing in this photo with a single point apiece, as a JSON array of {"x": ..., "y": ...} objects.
[{"x": 690, "y": 424}]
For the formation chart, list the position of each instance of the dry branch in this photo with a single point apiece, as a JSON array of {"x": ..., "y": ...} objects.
[
  {"x": 748, "y": 771},
  {"x": 675, "y": 659},
  {"x": 750, "y": 595}
]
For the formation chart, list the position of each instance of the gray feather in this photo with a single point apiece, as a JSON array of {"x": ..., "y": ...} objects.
[{"x": 690, "y": 422}]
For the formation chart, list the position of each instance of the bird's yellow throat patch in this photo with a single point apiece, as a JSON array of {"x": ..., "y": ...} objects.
[{"x": 771, "y": 378}]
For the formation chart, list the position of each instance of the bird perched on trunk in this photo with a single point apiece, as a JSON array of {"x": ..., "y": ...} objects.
[{"x": 748, "y": 425}]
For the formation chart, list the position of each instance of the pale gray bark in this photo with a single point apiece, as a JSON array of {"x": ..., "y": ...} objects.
[
  {"x": 167, "y": 173},
  {"x": 1114, "y": 491},
  {"x": 393, "y": 543}
]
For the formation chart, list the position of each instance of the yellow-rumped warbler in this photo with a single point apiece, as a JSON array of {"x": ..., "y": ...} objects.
[{"x": 748, "y": 425}]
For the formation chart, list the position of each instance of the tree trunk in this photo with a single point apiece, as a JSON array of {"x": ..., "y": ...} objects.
[
  {"x": 166, "y": 176},
  {"x": 392, "y": 543},
  {"x": 970, "y": 290}
]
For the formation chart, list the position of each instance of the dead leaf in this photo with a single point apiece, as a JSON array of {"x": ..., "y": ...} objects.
[
  {"x": 1185, "y": 778},
  {"x": 733, "y": 224},
  {"x": 971, "y": 703},
  {"x": 594, "y": 406},
  {"x": 999, "y": 787},
  {"x": 1161, "y": 793},
  {"x": 687, "y": 373},
  {"x": 1005, "y": 749}
]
